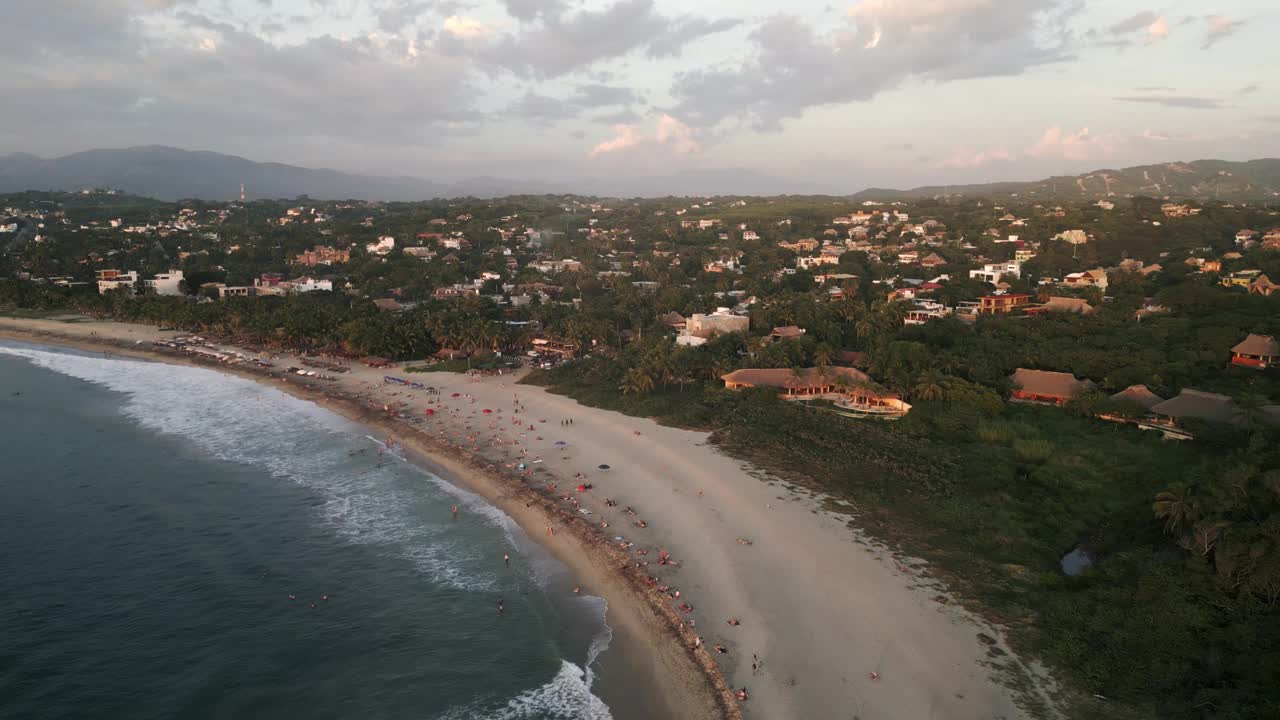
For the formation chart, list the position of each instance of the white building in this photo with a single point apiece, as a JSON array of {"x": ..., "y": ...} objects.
[
  {"x": 109, "y": 280},
  {"x": 310, "y": 284},
  {"x": 807, "y": 263},
  {"x": 165, "y": 283},
  {"x": 384, "y": 245},
  {"x": 699, "y": 327},
  {"x": 992, "y": 272}
]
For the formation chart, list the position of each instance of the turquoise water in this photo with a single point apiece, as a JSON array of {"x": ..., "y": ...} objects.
[{"x": 156, "y": 520}]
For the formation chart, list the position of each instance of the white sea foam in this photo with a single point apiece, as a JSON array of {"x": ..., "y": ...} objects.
[{"x": 567, "y": 696}]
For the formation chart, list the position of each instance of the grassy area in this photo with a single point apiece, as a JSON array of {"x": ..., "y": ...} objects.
[
  {"x": 457, "y": 366},
  {"x": 60, "y": 314}
]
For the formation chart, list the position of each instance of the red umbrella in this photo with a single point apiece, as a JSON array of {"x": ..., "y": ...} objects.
[
  {"x": 487, "y": 411},
  {"x": 582, "y": 488},
  {"x": 457, "y": 395}
]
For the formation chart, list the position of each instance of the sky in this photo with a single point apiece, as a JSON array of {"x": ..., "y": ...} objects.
[{"x": 837, "y": 95}]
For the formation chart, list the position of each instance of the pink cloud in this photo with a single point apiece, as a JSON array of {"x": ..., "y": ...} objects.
[
  {"x": 965, "y": 159},
  {"x": 1073, "y": 146},
  {"x": 676, "y": 134},
  {"x": 625, "y": 136},
  {"x": 668, "y": 133}
]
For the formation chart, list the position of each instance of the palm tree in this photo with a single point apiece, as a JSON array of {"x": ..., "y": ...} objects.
[
  {"x": 928, "y": 386},
  {"x": 822, "y": 357},
  {"x": 1177, "y": 508},
  {"x": 637, "y": 381}
]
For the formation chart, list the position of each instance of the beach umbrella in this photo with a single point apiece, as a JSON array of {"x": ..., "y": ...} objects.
[
  {"x": 604, "y": 467},
  {"x": 561, "y": 443},
  {"x": 457, "y": 395},
  {"x": 582, "y": 488},
  {"x": 487, "y": 411}
]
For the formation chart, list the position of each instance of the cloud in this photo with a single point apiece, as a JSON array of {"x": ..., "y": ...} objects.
[
  {"x": 1156, "y": 31},
  {"x": 1081, "y": 145},
  {"x": 676, "y": 134},
  {"x": 464, "y": 27},
  {"x": 1175, "y": 101},
  {"x": 1134, "y": 23},
  {"x": 1220, "y": 28},
  {"x": 600, "y": 95},
  {"x": 1154, "y": 88},
  {"x": 625, "y": 136},
  {"x": 528, "y": 10},
  {"x": 685, "y": 32},
  {"x": 1249, "y": 89},
  {"x": 1154, "y": 28},
  {"x": 982, "y": 158},
  {"x": 669, "y": 133},
  {"x": 552, "y": 42},
  {"x": 176, "y": 76},
  {"x": 1053, "y": 144},
  {"x": 544, "y": 108},
  {"x": 790, "y": 67}
]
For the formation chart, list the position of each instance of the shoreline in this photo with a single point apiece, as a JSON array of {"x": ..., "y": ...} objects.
[{"x": 649, "y": 633}]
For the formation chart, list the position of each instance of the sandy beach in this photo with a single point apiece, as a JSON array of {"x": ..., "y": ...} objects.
[{"x": 827, "y": 626}]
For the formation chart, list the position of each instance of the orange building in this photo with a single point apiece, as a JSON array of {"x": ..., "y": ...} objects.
[{"x": 1000, "y": 304}]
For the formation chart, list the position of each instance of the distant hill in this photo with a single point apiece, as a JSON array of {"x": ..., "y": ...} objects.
[
  {"x": 169, "y": 173},
  {"x": 1252, "y": 181}
]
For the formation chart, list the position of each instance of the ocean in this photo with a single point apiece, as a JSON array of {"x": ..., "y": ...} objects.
[{"x": 176, "y": 542}]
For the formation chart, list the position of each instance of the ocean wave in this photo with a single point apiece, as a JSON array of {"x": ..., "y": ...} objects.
[
  {"x": 238, "y": 420},
  {"x": 567, "y": 696}
]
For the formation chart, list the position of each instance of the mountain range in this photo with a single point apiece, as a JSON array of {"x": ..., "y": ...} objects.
[
  {"x": 170, "y": 173},
  {"x": 1250, "y": 181}
]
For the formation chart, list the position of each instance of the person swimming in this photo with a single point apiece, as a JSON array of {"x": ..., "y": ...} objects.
[{"x": 500, "y": 606}]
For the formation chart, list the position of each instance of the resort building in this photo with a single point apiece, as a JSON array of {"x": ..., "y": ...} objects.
[
  {"x": 1263, "y": 286},
  {"x": 1078, "y": 306},
  {"x": 1139, "y": 396},
  {"x": 1200, "y": 405},
  {"x": 852, "y": 390},
  {"x": 1089, "y": 278},
  {"x": 700, "y": 328},
  {"x": 1042, "y": 386},
  {"x": 992, "y": 272},
  {"x": 321, "y": 255},
  {"x": 109, "y": 280},
  {"x": 1242, "y": 278},
  {"x": 169, "y": 283},
  {"x": 1001, "y": 304},
  {"x": 1256, "y": 351},
  {"x": 384, "y": 245}
]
